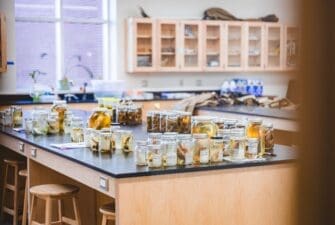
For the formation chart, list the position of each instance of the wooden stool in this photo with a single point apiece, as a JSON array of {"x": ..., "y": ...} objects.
[
  {"x": 15, "y": 188},
  {"x": 58, "y": 192},
  {"x": 108, "y": 213},
  {"x": 24, "y": 173}
]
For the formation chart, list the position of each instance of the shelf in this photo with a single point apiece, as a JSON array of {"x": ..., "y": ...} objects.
[
  {"x": 213, "y": 53},
  {"x": 191, "y": 38},
  {"x": 168, "y": 53},
  {"x": 273, "y": 39},
  {"x": 144, "y": 36},
  {"x": 213, "y": 38},
  {"x": 168, "y": 37},
  {"x": 234, "y": 39},
  {"x": 191, "y": 54},
  {"x": 144, "y": 53}
]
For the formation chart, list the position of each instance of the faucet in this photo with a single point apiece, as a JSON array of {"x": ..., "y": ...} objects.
[{"x": 68, "y": 97}]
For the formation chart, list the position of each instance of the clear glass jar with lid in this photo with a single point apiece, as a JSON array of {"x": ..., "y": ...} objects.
[
  {"x": 141, "y": 150},
  {"x": 127, "y": 141},
  {"x": 269, "y": 141},
  {"x": 60, "y": 107},
  {"x": 122, "y": 114},
  {"x": 204, "y": 125},
  {"x": 185, "y": 122},
  {"x": 94, "y": 140},
  {"x": 53, "y": 123},
  {"x": 172, "y": 122},
  {"x": 99, "y": 119},
  {"x": 216, "y": 149},
  {"x": 237, "y": 145},
  {"x": 40, "y": 124},
  {"x": 154, "y": 138},
  {"x": 169, "y": 149},
  {"x": 253, "y": 128},
  {"x": 252, "y": 148},
  {"x": 162, "y": 125},
  {"x": 17, "y": 115},
  {"x": 185, "y": 146},
  {"x": 154, "y": 156},
  {"x": 67, "y": 122},
  {"x": 201, "y": 148},
  {"x": 153, "y": 121},
  {"x": 77, "y": 130},
  {"x": 105, "y": 141},
  {"x": 131, "y": 115},
  {"x": 28, "y": 125},
  {"x": 8, "y": 119}
]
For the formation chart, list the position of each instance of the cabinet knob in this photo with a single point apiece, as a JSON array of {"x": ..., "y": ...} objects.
[
  {"x": 33, "y": 152},
  {"x": 21, "y": 147}
]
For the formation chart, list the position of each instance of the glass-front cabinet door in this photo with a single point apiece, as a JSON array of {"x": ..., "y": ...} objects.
[
  {"x": 254, "y": 46},
  {"x": 168, "y": 42},
  {"x": 141, "y": 45},
  {"x": 292, "y": 47},
  {"x": 274, "y": 47},
  {"x": 235, "y": 46},
  {"x": 213, "y": 46},
  {"x": 191, "y": 51}
]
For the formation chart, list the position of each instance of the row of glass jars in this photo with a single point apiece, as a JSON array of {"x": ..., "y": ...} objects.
[
  {"x": 11, "y": 117},
  {"x": 169, "y": 121}
]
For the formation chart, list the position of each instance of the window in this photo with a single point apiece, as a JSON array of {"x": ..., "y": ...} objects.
[{"x": 64, "y": 38}]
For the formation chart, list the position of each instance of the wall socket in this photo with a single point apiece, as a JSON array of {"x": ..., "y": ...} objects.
[
  {"x": 198, "y": 83},
  {"x": 144, "y": 83},
  {"x": 181, "y": 83}
]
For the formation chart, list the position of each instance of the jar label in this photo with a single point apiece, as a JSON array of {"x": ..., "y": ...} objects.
[{"x": 204, "y": 156}]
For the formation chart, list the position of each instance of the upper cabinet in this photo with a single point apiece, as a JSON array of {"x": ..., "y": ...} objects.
[
  {"x": 210, "y": 46},
  {"x": 191, "y": 48},
  {"x": 254, "y": 54},
  {"x": 213, "y": 46},
  {"x": 168, "y": 43},
  {"x": 274, "y": 47},
  {"x": 141, "y": 45},
  {"x": 235, "y": 46},
  {"x": 3, "y": 45}
]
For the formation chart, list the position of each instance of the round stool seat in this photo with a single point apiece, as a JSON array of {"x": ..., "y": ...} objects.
[
  {"x": 23, "y": 173},
  {"x": 13, "y": 162},
  {"x": 108, "y": 209},
  {"x": 54, "y": 190}
]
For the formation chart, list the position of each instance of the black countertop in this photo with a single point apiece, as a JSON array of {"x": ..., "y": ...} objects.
[
  {"x": 121, "y": 165},
  {"x": 254, "y": 111}
]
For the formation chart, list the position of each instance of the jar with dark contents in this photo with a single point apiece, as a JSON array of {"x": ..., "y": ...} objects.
[
  {"x": 201, "y": 148},
  {"x": 185, "y": 122},
  {"x": 172, "y": 122},
  {"x": 163, "y": 116},
  {"x": 149, "y": 121},
  {"x": 269, "y": 137},
  {"x": 131, "y": 116},
  {"x": 122, "y": 114},
  {"x": 138, "y": 114},
  {"x": 17, "y": 115},
  {"x": 99, "y": 119},
  {"x": 185, "y": 147}
]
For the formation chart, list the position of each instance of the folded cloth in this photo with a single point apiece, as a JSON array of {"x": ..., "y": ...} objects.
[
  {"x": 189, "y": 104},
  {"x": 64, "y": 146}
]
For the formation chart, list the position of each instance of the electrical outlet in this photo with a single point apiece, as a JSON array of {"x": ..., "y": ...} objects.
[
  {"x": 181, "y": 83},
  {"x": 144, "y": 83},
  {"x": 198, "y": 83}
]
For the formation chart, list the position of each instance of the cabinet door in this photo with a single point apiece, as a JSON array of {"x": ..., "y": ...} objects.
[
  {"x": 168, "y": 43},
  {"x": 141, "y": 45},
  {"x": 274, "y": 47},
  {"x": 235, "y": 46},
  {"x": 213, "y": 46},
  {"x": 191, "y": 50},
  {"x": 292, "y": 47},
  {"x": 254, "y": 53}
]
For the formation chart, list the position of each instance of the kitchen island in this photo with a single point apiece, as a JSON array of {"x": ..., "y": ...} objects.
[{"x": 206, "y": 194}]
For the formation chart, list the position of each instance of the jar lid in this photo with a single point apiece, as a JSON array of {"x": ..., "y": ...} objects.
[
  {"x": 268, "y": 125},
  {"x": 169, "y": 136},
  {"x": 184, "y": 136},
  {"x": 203, "y": 118},
  {"x": 230, "y": 121},
  {"x": 219, "y": 120},
  {"x": 155, "y": 135},
  {"x": 100, "y": 109},
  {"x": 217, "y": 138},
  {"x": 200, "y": 135},
  {"x": 59, "y": 102},
  {"x": 170, "y": 133},
  {"x": 141, "y": 142},
  {"x": 256, "y": 120}
]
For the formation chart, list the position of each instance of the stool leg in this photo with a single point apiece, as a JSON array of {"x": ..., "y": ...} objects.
[
  {"x": 25, "y": 204},
  {"x": 104, "y": 220},
  {"x": 16, "y": 197},
  {"x": 60, "y": 212},
  {"x": 4, "y": 192},
  {"x": 76, "y": 210},
  {"x": 32, "y": 209},
  {"x": 48, "y": 211}
]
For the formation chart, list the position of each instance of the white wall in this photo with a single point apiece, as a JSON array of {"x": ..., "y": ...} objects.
[
  {"x": 275, "y": 83},
  {"x": 8, "y": 79}
]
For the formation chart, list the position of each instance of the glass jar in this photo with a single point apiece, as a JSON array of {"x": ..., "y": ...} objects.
[
  {"x": 172, "y": 122},
  {"x": 127, "y": 141},
  {"x": 220, "y": 122},
  {"x": 162, "y": 125},
  {"x": 116, "y": 136},
  {"x": 216, "y": 149},
  {"x": 204, "y": 125},
  {"x": 153, "y": 121},
  {"x": 67, "y": 122},
  {"x": 87, "y": 136},
  {"x": 105, "y": 137},
  {"x": 40, "y": 124},
  {"x": 185, "y": 147},
  {"x": 28, "y": 125},
  {"x": 169, "y": 150},
  {"x": 237, "y": 145},
  {"x": 53, "y": 123},
  {"x": 94, "y": 140},
  {"x": 8, "y": 119},
  {"x": 77, "y": 130},
  {"x": 185, "y": 122},
  {"x": 122, "y": 114},
  {"x": 60, "y": 107},
  {"x": 201, "y": 148},
  {"x": 138, "y": 114},
  {"x": 99, "y": 119},
  {"x": 269, "y": 137},
  {"x": 154, "y": 156},
  {"x": 17, "y": 115},
  {"x": 100, "y": 102},
  {"x": 113, "y": 129},
  {"x": 253, "y": 128},
  {"x": 131, "y": 116},
  {"x": 252, "y": 148},
  {"x": 229, "y": 123},
  {"x": 154, "y": 138},
  {"x": 141, "y": 150},
  {"x": 2, "y": 118}
]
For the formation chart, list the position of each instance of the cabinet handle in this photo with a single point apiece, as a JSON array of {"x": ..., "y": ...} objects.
[
  {"x": 33, "y": 152},
  {"x": 103, "y": 183},
  {"x": 21, "y": 147}
]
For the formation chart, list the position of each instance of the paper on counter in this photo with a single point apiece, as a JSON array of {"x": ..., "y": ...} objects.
[
  {"x": 65, "y": 146},
  {"x": 242, "y": 160}
]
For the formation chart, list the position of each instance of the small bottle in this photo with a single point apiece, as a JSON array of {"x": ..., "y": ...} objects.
[
  {"x": 40, "y": 124},
  {"x": 169, "y": 149},
  {"x": 216, "y": 149},
  {"x": 87, "y": 136},
  {"x": 201, "y": 149},
  {"x": 53, "y": 123},
  {"x": 185, "y": 146},
  {"x": 252, "y": 148},
  {"x": 154, "y": 156},
  {"x": 269, "y": 139},
  {"x": 60, "y": 107},
  {"x": 77, "y": 130},
  {"x": 127, "y": 141},
  {"x": 67, "y": 122},
  {"x": 94, "y": 140},
  {"x": 253, "y": 128},
  {"x": 105, "y": 141},
  {"x": 17, "y": 115},
  {"x": 237, "y": 145},
  {"x": 141, "y": 150},
  {"x": 28, "y": 125}
]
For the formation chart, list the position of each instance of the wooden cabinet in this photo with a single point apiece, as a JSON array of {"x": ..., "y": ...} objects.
[
  {"x": 3, "y": 44},
  {"x": 214, "y": 45},
  {"x": 191, "y": 48},
  {"x": 141, "y": 45},
  {"x": 274, "y": 47},
  {"x": 168, "y": 33},
  {"x": 235, "y": 46},
  {"x": 291, "y": 47},
  {"x": 254, "y": 53}
]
